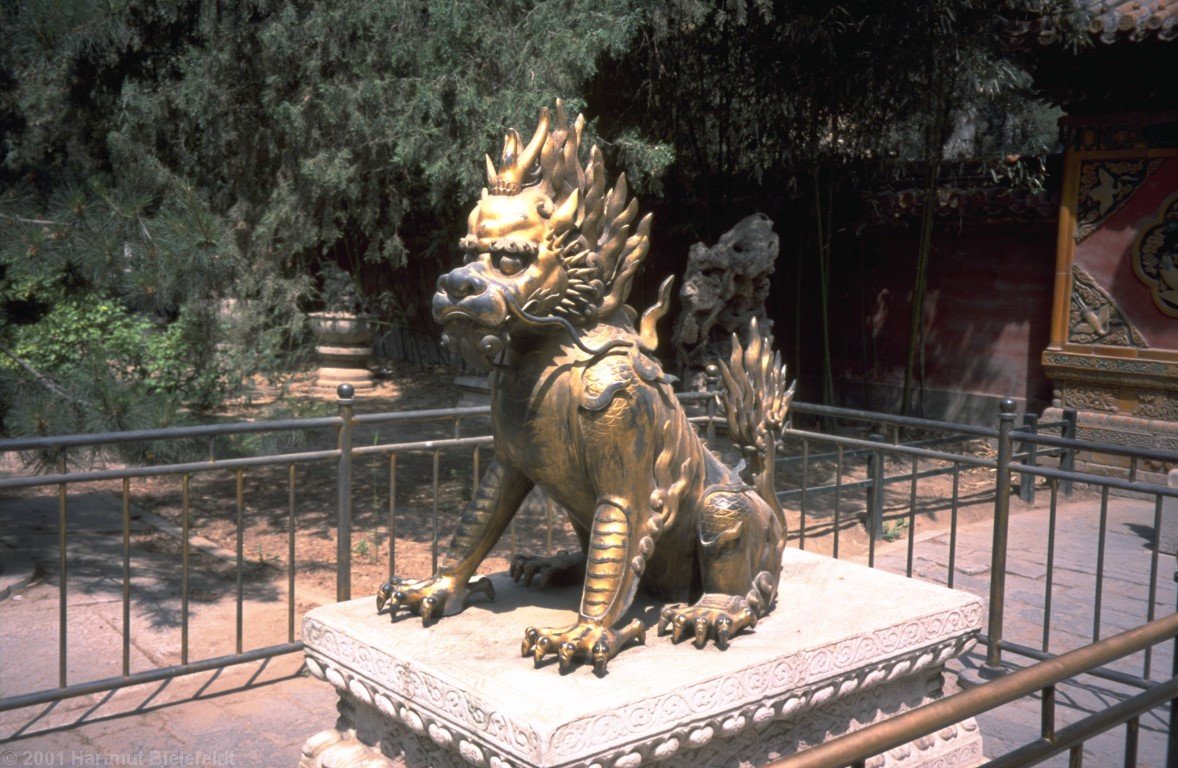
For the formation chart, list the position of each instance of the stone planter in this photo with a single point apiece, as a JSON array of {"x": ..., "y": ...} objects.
[{"x": 343, "y": 342}]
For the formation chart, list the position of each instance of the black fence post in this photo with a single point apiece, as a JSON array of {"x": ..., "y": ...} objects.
[
  {"x": 1172, "y": 736},
  {"x": 343, "y": 577},
  {"x": 1067, "y": 461},
  {"x": 1026, "y": 483},
  {"x": 712, "y": 376},
  {"x": 993, "y": 665},
  {"x": 875, "y": 491}
]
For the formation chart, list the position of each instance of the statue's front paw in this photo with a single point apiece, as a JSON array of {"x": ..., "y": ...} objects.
[
  {"x": 581, "y": 641},
  {"x": 429, "y": 598},
  {"x": 561, "y": 569},
  {"x": 716, "y": 616}
]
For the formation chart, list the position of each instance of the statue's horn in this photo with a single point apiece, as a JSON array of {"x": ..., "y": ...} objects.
[
  {"x": 510, "y": 156},
  {"x": 532, "y": 151},
  {"x": 492, "y": 175}
]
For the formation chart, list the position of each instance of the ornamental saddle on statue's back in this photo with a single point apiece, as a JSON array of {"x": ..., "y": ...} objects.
[{"x": 582, "y": 408}]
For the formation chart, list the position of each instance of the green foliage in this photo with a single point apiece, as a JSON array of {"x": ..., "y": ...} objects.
[
  {"x": 895, "y": 529},
  {"x": 180, "y": 178}
]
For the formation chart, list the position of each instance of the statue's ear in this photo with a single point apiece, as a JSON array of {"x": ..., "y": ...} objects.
[{"x": 564, "y": 218}]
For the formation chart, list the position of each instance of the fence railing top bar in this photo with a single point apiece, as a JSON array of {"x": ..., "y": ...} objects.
[
  {"x": 97, "y": 475},
  {"x": 423, "y": 445},
  {"x": 1136, "y": 486},
  {"x": 1114, "y": 449},
  {"x": 166, "y": 433},
  {"x": 847, "y": 455},
  {"x": 925, "y": 453},
  {"x": 390, "y": 417},
  {"x": 895, "y": 420},
  {"x": 881, "y": 737}
]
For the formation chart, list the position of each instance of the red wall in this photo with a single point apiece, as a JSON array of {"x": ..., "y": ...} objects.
[{"x": 987, "y": 313}]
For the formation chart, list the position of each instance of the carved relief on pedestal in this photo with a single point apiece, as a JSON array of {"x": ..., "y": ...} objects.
[
  {"x": 1105, "y": 186},
  {"x": 1095, "y": 318},
  {"x": 1155, "y": 257},
  {"x": 1157, "y": 405},
  {"x": 1090, "y": 398}
]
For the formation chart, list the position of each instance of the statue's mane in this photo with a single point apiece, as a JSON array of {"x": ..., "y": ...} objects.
[{"x": 591, "y": 227}]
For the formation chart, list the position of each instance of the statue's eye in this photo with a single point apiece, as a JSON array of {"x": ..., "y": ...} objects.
[{"x": 508, "y": 264}]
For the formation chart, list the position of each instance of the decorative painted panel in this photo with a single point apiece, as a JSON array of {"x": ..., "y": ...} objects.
[
  {"x": 1095, "y": 318},
  {"x": 1155, "y": 257},
  {"x": 1105, "y": 186}
]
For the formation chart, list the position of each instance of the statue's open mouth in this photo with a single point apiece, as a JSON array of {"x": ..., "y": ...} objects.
[{"x": 480, "y": 344}]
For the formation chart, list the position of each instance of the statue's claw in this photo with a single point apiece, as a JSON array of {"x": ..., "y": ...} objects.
[
  {"x": 531, "y": 635},
  {"x": 480, "y": 586},
  {"x": 566, "y": 654},
  {"x": 701, "y": 632},
  {"x": 562, "y": 568},
  {"x": 386, "y": 595},
  {"x": 723, "y": 632},
  {"x": 601, "y": 656},
  {"x": 428, "y": 598},
  {"x": 716, "y": 616},
  {"x": 581, "y": 642}
]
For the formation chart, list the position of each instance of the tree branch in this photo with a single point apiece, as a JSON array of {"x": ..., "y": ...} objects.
[{"x": 42, "y": 379}]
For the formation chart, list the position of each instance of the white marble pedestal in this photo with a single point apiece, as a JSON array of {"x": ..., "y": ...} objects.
[{"x": 845, "y": 646}]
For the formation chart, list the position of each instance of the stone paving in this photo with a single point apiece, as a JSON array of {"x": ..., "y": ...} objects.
[
  {"x": 1128, "y": 557},
  {"x": 259, "y": 714}
]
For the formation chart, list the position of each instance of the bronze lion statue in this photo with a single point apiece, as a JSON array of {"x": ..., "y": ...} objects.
[{"x": 581, "y": 407}]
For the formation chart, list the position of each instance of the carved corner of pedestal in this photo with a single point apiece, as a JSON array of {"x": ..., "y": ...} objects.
[{"x": 335, "y": 749}]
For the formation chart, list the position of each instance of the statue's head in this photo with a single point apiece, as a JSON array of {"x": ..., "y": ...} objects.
[{"x": 547, "y": 247}]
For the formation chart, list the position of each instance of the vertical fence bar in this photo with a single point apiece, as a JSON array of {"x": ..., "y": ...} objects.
[
  {"x": 1076, "y": 756},
  {"x": 993, "y": 665},
  {"x": 1067, "y": 460},
  {"x": 185, "y": 533},
  {"x": 433, "y": 548},
  {"x": 805, "y": 488},
  {"x": 392, "y": 515},
  {"x": 343, "y": 533},
  {"x": 953, "y": 522},
  {"x": 912, "y": 517},
  {"x": 875, "y": 494},
  {"x": 1150, "y": 609},
  {"x": 1172, "y": 733},
  {"x": 1026, "y": 483},
  {"x": 240, "y": 558},
  {"x": 1047, "y": 714},
  {"x": 63, "y": 572},
  {"x": 1049, "y": 578},
  {"x": 1132, "y": 469},
  {"x": 291, "y": 530},
  {"x": 838, "y": 496},
  {"x": 1131, "y": 732},
  {"x": 1102, "y": 536},
  {"x": 712, "y": 377},
  {"x": 126, "y": 576}
]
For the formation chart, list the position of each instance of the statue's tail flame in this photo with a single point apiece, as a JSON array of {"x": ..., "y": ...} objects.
[{"x": 756, "y": 402}]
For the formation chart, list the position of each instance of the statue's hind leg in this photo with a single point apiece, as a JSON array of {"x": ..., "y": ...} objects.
[{"x": 740, "y": 543}]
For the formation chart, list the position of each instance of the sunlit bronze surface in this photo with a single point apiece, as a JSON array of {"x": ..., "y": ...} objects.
[{"x": 582, "y": 408}]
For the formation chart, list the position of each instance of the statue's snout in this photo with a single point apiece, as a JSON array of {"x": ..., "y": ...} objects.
[{"x": 460, "y": 283}]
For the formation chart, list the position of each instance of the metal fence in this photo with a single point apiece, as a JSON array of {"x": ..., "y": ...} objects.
[{"x": 852, "y": 473}]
